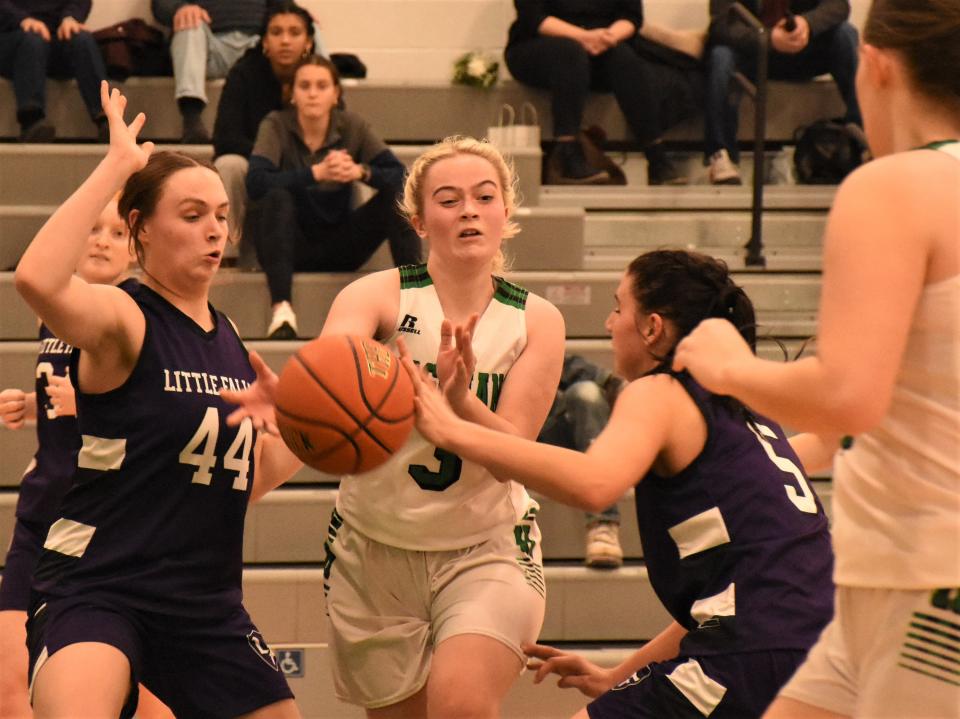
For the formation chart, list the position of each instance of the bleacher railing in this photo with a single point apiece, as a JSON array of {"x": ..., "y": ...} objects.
[{"x": 757, "y": 91}]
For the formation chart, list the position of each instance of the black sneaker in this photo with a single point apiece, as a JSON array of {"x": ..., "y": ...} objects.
[
  {"x": 38, "y": 131},
  {"x": 195, "y": 134},
  {"x": 661, "y": 170},
  {"x": 570, "y": 167}
]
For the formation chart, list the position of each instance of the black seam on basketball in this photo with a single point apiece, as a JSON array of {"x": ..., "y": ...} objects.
[
  {"x": 375, "y": 411},
  {"x": 361, "y": 425},
  {"x": 346, "y": 438}
]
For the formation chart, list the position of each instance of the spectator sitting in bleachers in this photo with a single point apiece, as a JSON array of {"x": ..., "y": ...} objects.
[
  {"x": 209, "y": 36},
  {"x": 571, "y": 47},
  {"x": 306, "y": 163},
  {"x": 48, "y": 37},
  {"x": 260, "y": 82},
  {"x": 807, "y": 38},
  {"x": 579, "y": 413}
]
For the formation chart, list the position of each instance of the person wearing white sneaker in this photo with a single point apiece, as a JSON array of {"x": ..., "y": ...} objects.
[
  {"x": 283, "y": 323},
  {"x": 603, "y": 545},
  {"x": 579, "y": 413},
  {"x": 723, "y": 170},
  {"x": 807, "y": 38}
]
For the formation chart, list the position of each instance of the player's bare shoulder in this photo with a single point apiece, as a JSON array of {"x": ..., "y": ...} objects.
[
  {"x": 543, "y": 316},
  {"x": 366, "y": 306}
]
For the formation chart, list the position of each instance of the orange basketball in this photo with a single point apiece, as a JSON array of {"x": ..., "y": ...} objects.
[{"x": 344, "y": 404}]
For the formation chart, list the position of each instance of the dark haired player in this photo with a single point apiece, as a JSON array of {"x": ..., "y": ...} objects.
[{"x": 735, "y": 541}]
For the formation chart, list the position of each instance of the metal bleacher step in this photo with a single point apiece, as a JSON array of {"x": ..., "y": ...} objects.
[
  {"x": 288, "y": 605},
  {"x": 289, "y": 524},
  {"x": 786, "y": 303},
  {"x": 551, "y": 237},
  {"x": 308, "y": 670},
  {"x": 690, "y": 197},
  {"x": 793, "y": 240},
  {"x": 56, "y": 170}
]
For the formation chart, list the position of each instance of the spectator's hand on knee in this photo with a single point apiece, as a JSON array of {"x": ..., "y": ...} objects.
[
  {"x": 68, "y": 28},
  {"x": 29, "y": 24},
  {"x": 189, "y": 17}
]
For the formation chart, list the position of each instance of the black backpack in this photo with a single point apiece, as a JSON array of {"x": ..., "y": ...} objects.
[{"x": 827, "y": 151}]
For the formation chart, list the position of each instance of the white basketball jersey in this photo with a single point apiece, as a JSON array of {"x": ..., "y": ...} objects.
[
  {"x": 425, "y": 498},
  {"x": 897, "y": 491}
]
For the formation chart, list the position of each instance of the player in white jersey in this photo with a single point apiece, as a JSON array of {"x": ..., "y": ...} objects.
[
  {"x": 888, "y": 371},
  {"x": 434, "y": 572}
]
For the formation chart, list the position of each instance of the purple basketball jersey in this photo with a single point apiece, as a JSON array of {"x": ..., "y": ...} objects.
[
  {"x": 155, "y": 514},
  {"x": 737, "y": 544},
  {"x": 58, "y": 440}
]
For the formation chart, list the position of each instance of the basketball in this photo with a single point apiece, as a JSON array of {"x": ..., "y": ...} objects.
[{"x": 344, "y": 404}]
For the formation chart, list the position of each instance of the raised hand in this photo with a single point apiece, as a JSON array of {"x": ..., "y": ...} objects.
[
  {"x": 435, "y": 418},
  {"x": 456, "y": 362},
  {"x": 13, "y": 408},
  {"x": 258, "y": 401},
  {"x": 123, "y": 137},
  {"x": 574, "y": 671},
  {"x": 62, "y": 396}
]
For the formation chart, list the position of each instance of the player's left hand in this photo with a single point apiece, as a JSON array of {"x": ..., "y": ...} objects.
[
  {"x": 456, "y": 351},
  {"x": 435, "y": 418},
  {"x": 258, "y": 401},
  {"x": 63, "y": 399},
  {"x": 710, "y": 352},
  {"x": 574, "y": 671}
]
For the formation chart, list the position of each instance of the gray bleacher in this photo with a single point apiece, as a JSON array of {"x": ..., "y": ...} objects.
[{"x": 574, "y": 244}]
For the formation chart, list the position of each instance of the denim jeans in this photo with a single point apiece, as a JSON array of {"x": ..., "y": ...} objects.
[
  {"x": 27, "y": 59},
  {"x": 579, "y": 413},
  {"x": 833, "y": 51}
]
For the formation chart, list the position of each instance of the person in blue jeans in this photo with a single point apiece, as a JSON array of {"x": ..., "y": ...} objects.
[
  {"x": 47, "y": 37},
  {"x": 579, "y": 413},
  {"x": 807, "y": 38}
]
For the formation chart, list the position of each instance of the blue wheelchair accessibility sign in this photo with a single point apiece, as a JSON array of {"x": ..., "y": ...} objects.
[{"x": 291, "y": 662}]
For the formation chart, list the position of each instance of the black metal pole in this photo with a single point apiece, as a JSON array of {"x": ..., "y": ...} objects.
[{"x": 754, "y": 247}]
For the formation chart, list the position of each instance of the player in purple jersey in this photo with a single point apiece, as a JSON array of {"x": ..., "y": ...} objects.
[
  {"x": 139, "y": 579},
  {"x": 105, "y": 261},
  {"x": 735, "y": 541},
  {"x": 887, "y": 370}
]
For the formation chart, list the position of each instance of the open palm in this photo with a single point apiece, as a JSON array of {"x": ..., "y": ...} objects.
[{"x": 123, "y": 137}]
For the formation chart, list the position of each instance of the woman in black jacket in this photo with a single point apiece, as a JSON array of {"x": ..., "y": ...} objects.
[
  {"x": 571, "y": 47},
  {"x": 259, "y": 83}
]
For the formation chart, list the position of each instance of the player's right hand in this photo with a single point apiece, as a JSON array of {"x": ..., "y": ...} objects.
[
  {"x": 123, "y": 137},
  {"x": 258, "y": 401},
  {"x": 574, "y": 671},
  {"x": 13, "y": 408}
]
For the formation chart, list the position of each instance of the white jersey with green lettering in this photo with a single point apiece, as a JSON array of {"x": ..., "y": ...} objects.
[{"x": 425, "y": 498}]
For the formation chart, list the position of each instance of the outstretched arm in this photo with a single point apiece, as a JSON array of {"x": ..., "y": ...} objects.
[
  {"x": 77, "y": 312},
  {"x": 578, "y": 673}
]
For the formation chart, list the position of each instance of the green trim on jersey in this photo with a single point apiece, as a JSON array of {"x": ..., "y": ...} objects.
[
  {"x": 937, "y": 145},
  {"x": 414, "y": 276},
  {"x": 510, "y": 294}
]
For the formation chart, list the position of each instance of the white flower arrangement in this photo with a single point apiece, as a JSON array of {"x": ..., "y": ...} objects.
[{"x": 476, "y": 70}]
